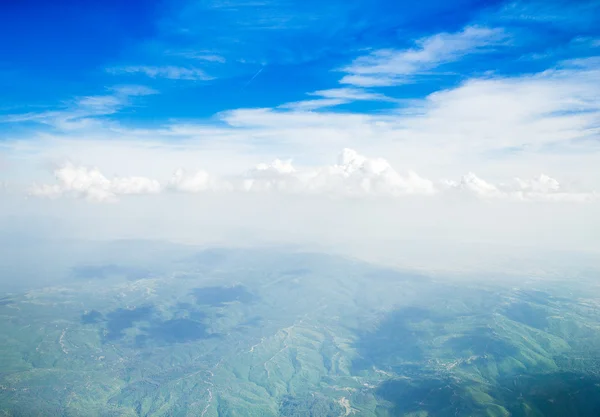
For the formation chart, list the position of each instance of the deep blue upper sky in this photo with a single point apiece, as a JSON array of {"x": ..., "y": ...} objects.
[{"x": 257, "y": 53}]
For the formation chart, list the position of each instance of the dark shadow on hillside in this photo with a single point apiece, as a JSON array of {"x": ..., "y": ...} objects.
[
  {"x": 314, "y": 405},
  {"x": 219, "y": 296},
  {"x": 548, "y": 395},
  {"x": 481, "y": 341},
  {"x": 92, "y": 317},
  {"x": 535, "y": 296},
  {"x": 555, "y": 395},
  {"x": 186, "y": 325},
  {"x": 4, "y": 301},
  {"x": 122, "y": 319},
  {"x": 189, "y": 311},
  {"x": 398, "y": 338},
  {"x": 437, "y": 397},
  {"x": 528, "y": 314},
  {"x": 173, "y": 331}
]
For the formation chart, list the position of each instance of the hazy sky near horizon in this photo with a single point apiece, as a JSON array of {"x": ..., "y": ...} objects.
[{"x": 302, "y": 120}]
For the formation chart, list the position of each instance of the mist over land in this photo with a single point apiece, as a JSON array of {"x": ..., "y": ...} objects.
[{"x": 152, "y": 328}]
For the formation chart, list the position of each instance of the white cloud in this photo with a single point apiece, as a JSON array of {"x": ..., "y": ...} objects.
[
  {"x": 277, "y": 167},
  {"x": 543, "y": 184},
  {"x": 553, "y": 108},
  {"x": 91, "y": 184},
  {"x": 522, "y": 115},
  {"x": 169, "y": 71},
  {"x": 540, "y": 188},
  {"x": 196, "y": 182},
  {"x": 390, "y": 66},
  {"x": 354, "y": 175},
  {"x": 277, "y": 176},
  {"x": 473, "y": 184},
  {"x": 545, "y": 188}
]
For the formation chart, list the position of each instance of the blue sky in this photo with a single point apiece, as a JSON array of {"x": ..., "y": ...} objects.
[
  {"x": 321, "y": 121},
  {"x": 203, "y": 57},
  {"x": 453, "y": 91}
]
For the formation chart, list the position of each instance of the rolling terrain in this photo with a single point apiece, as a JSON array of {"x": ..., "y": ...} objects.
[{"x": 274, "y": 333}]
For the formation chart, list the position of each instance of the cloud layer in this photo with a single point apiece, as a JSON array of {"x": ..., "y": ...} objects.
[{"x": 354, "y": 175}]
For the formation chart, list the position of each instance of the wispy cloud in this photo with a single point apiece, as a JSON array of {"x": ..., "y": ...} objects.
[
  {"x": 80, "y": 113},
  {"x": 314, "y": 104},
  {"x": 199, "y": 55},
  {"x": 169, "y": 72},
  {"x": 579, "y": 14},
  {"x": 351, "y": 94},
  {"x": 385, "y": 67},
  {"x": 335, "y": 97}
]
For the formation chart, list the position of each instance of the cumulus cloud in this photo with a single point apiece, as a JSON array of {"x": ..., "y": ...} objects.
[
  {"x": 277, "y": 176},
  {"x": 195, "y": 182},
  {"x": 91, "y": 184},
  {"x": 543, "y": 184},
  {"x": 545, "y": 188},
  {"x": 471, "y": 183},
  {"x": 354, "y": 175}
]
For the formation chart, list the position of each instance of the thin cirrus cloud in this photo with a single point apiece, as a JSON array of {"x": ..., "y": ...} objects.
[
  {"x": 206, "y": 56},
  {"x": 353, "y": 175},
  {"x": 335, "y": 97},
  {"x": 81, "y": 112},
  {"x": 168, "y": 71},
  {"x": 385, "y": 67}
]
